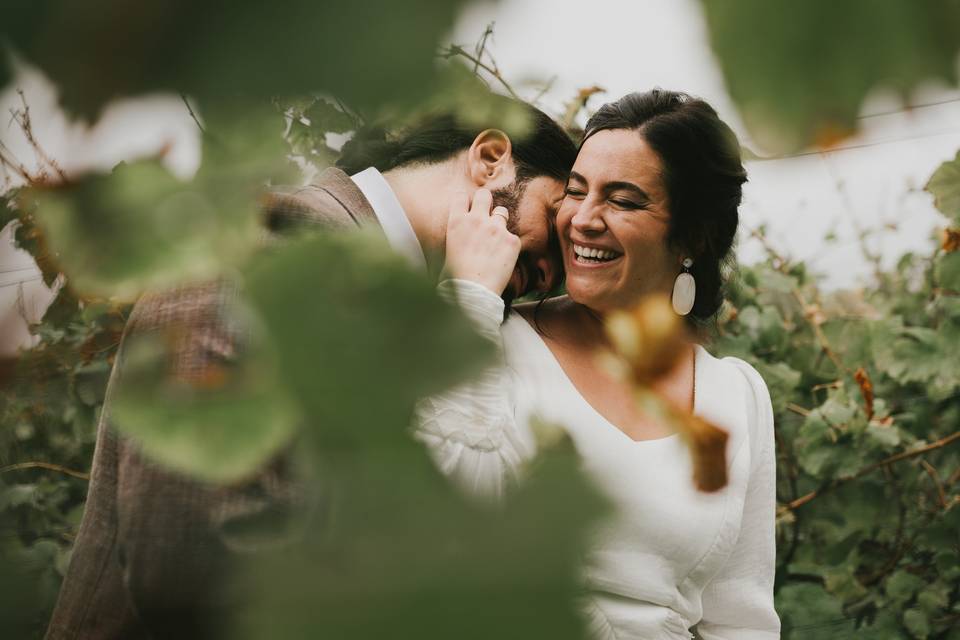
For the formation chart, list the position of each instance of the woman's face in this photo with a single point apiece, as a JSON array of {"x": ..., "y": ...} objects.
[{"x": 613, "y": 222}]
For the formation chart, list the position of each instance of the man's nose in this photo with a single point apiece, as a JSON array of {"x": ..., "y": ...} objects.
[{"x": 588, "y": 218}]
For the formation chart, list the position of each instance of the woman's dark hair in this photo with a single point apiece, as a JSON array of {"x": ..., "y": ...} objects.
[
  {"x": 702, "y": 173},
  {"x": 544, "y": 150}
]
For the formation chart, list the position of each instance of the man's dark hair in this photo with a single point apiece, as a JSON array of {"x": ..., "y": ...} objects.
[
  {"x": 544, "y": 150},
  {"x": 702, "y": 173}
]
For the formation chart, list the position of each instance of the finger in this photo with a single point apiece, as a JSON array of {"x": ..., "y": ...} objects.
[
  {"x": 500, "y": 216},
  {"x": 482, "y": 199}
]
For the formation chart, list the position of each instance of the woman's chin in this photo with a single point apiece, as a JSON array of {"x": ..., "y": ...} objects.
[{"x": 588, "y": 293}]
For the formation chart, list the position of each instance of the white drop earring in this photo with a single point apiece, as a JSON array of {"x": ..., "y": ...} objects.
[{"x": 684, "y": 289}]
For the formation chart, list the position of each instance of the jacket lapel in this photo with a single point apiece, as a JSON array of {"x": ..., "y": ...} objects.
[{"x": 330, "y": 202}]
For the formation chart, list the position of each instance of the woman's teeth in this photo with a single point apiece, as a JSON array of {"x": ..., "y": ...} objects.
[{"x": 589, "y": 254}]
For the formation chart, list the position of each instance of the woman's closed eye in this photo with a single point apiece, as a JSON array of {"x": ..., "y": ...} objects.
[{"x": 627, "y": 204}]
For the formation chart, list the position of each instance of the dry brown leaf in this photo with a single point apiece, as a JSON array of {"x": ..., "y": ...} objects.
[
  {"x": 950, "y": 240},
  {"x": 866, "y": 390},
  {"x": 650, "y": 339}
]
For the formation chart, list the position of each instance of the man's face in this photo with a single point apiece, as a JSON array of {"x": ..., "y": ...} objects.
[{"x": 533, "y": 208}]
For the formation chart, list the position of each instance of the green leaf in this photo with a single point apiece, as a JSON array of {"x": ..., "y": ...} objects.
[
  {"x": 948, "y": 271},
  {"x": 944, "y": 184},
  {"x": 901, "y": 586},
  {"x": 218, "y": 51},
  {"x": 220, "y": 426},
  {"x": 370, "y": 339},
  {"x": 799, "y": 73},
  {"x": 916, "y": 623},
  {"x": 326, "y": 117},
  {"x": 886, "y": 437},
  {"x": 140, "y": 227}
]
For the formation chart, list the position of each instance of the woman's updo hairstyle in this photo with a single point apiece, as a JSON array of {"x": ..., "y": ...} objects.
[{"x": 702, "y": 173}]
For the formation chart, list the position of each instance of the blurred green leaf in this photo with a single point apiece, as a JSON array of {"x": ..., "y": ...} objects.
[
  {"x": 139, "y": 227},
  {"x": 944, "y": 184},
  {"x": 403, "y": 556},
  {"x": 220, "y": 427},
  {"x": 217, "y": 51},
  {"x": 359, "y": 336},
  {"x": 948, "y": 271},
  {"x": 800, "y": 72}
]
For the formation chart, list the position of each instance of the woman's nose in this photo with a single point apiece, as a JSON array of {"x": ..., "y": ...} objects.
[{"x": 588, "y": 218}]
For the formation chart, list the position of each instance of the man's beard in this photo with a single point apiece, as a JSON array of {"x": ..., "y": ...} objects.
[{"x": 509, "y": 197}]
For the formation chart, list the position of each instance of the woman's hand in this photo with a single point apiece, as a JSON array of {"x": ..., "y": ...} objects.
[{"x": 479, "y": 247}]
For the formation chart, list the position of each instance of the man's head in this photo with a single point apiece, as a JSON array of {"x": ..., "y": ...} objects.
[{"x": 526, "y": 174}]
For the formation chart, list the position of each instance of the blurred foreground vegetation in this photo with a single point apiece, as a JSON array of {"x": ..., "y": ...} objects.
[{"x": 865, "y": 385}]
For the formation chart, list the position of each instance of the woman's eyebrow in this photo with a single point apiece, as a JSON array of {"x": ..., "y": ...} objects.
[{"x": 626, "y": 186}]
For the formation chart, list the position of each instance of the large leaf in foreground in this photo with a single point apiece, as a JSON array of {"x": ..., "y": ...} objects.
[
  {"x": 218, "y": 423},
  {"x": 365, "y": 52},
  {"x": 359, "y": 336},
  {"x": 139, "y": 227},
  {"x": 401, "y": 556},
  {"x": 800, "y": 71}
]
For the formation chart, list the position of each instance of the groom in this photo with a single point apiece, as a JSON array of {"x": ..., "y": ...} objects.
[{"x": 153, "y": 545}]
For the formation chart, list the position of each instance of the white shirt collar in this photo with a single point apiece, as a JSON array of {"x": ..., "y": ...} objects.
[{"x": 392, "y": 217}]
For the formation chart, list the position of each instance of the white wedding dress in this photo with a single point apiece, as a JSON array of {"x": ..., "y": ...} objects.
[{"x": 672, "y": 560}]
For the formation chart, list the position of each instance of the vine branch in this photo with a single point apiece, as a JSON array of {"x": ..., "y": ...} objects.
[
  {"x": 49, "y": 466},
  {"x": 943, "y": 442}
]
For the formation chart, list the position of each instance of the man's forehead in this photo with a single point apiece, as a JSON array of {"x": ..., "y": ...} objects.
[{"x": 547, "y": 189}]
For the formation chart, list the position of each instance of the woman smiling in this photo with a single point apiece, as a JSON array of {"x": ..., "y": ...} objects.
[{"x": 650, "y": 208}]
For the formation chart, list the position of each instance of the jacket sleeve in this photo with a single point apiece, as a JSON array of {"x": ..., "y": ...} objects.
[
  {"x": 93, "y": 601},
  {"x": 738, "y": 602},
  {"x": 470, "y": 431},
  {"x": 156, "y": 547}
]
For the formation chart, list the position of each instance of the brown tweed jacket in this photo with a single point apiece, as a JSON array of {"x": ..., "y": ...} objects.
[{"x": 154, "y": 546}]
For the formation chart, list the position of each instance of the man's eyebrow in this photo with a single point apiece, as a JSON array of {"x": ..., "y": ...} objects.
[{"x": 576, "y": 176}]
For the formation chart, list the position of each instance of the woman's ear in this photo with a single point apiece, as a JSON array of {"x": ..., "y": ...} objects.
[{"x": 489, "y": 157}]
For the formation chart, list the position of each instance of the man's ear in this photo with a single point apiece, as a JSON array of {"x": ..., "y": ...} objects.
[{"x": 489, "y": 157}]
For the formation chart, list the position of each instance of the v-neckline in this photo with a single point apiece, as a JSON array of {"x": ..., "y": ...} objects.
[{"x": 551, "y": 358}]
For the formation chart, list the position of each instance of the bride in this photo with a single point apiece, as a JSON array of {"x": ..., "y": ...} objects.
[{"x": 653, "y": 194}]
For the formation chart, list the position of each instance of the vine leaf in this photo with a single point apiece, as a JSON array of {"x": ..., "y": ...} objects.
[
  {"x": 800, "y": 73},
  {"x": 944, "y": 184},
  {"x": 216, "y": 51}
]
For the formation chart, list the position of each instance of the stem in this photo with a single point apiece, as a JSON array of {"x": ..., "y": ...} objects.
[
  {"x": 45, "y": 465},
  {"x": 192, "y": 114},
  {"x": 457, "y": 50},
  {"x": 943, "y": 442}
]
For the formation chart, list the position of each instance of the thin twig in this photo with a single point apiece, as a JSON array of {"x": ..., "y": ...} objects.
[
  {"x": 942, "y": 442},
  {"x": 15, "y": 164},
  {"x": 543, "y": 91},
  {"x": 482, "y": 45},
  {"x": 26, "y": 125},
  {"x": 45, "y": 465},
  {"x": 456, "y": 50},
  {"x": 932, "y": 472},
  {"x": 192, "y": 114},
  {"x": 803, "y": 411}
]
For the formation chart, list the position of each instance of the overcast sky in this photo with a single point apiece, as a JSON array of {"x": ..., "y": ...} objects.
[{"x": 622, "y": 47}]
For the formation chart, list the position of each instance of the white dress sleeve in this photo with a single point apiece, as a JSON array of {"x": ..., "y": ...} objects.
[
  {"x": 738, "y": 601},
  {"x": 470, "y": 431}
]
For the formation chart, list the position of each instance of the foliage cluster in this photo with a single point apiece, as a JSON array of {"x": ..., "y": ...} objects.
[{"x": 866, "y": 390}]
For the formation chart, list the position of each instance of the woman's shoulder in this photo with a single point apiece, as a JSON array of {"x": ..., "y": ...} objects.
[{"x": 750, "y": 387}]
